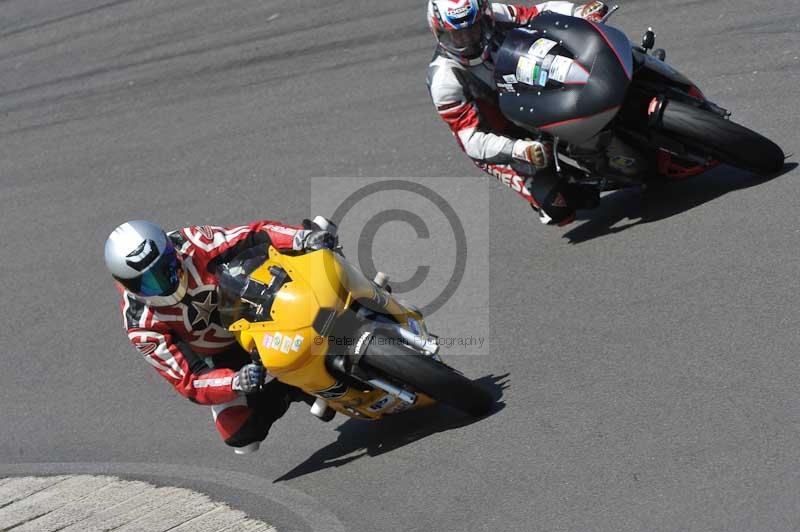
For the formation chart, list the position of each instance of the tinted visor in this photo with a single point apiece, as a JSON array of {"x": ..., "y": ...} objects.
[
  {"x": 161, "y": 279},
  {"x": 466, "y": 37},
  {"x": 467, "y": 42}
]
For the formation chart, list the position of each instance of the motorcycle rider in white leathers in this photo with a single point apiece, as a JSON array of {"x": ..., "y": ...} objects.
[{"x": 462, "y": 87}]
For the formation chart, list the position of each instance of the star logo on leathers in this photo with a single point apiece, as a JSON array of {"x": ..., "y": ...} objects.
[{"x": 203, "y": 309}]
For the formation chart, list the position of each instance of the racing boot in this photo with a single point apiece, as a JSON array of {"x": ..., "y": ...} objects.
[
  {"x": 557, "y": 201},
  {"x": 264, "y": 409}
]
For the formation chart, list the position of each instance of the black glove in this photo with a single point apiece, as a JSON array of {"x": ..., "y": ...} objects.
[
  {"x": 249, "y": 379},
  {"x": 316, "y": 240}
]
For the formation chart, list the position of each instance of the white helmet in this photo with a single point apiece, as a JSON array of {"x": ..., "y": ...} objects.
[
  {"x": 461, "y": 27},
  {"x": 141, "y": 258}
]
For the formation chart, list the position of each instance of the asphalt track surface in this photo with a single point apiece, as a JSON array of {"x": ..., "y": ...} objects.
[{"x": 649, "y": 352}]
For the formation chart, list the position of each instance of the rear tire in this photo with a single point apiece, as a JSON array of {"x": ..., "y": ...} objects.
[
  {"x": 429, "y": 376},
  {"x": 728, "y": 141}
]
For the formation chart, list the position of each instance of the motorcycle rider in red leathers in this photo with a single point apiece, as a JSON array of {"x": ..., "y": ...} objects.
[
  {"x": 462, "y": 87},
  {"x": 168, "y": 285}
]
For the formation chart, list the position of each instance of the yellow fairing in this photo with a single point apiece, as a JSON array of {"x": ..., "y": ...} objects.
[{"x": 293, "y": 346}]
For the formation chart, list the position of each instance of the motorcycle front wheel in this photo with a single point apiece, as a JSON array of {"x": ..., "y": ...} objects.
[
  {"x": 427, "y": 375},
  {"x": 721, "y": 138}
]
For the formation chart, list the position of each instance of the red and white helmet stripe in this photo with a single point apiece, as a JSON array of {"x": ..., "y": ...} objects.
[{"x": 452, "y": 15}]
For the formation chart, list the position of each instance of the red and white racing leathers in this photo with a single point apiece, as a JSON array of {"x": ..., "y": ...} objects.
[
  {"x": 181, "y": 335},
  {"x": 466, "y": 96}
]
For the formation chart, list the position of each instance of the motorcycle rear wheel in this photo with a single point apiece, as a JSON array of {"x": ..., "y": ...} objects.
[
  {"x": 431, "y": 377},
  {"x": 728, "y": 141}
]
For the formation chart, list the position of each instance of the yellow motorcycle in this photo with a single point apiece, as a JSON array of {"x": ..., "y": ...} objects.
[{"x": 316, "y": 322}]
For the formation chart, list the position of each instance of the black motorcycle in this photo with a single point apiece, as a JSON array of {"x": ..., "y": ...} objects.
[{"x": 617, "y": 113}]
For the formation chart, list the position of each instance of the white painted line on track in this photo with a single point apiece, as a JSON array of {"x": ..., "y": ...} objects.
[
  {"x": 102, "y": 503},
  {"x": 309, "y": 510},
  {"x": 89, "y": 503}
]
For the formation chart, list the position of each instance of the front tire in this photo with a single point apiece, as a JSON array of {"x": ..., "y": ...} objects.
[
  {"x": 429, "y": 376},
  {"x": 728, "y": 141}
]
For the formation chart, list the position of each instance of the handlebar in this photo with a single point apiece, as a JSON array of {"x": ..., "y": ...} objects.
[{"x": 608, "y": 15}]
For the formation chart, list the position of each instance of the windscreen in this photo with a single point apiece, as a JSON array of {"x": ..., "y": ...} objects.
[{"x": 241, "y": 296}]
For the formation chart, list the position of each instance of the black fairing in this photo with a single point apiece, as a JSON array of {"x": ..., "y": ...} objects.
[
  {"x": 575, "y": 111},
  {"x": 658, "y": 70}
]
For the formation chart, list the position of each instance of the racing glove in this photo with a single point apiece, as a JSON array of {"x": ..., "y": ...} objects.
[
  {"x": 593, "y": 11},
  {"x": 249, "y": 379},
  {"x": 321, "y": 223},
  {"x": 533, "y": 152},
  {"x": 313, "y": 240},
  {"x": 319, "y": 233}
]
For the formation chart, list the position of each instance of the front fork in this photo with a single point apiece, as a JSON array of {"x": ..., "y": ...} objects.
[{"x": 345, "y": 366}]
